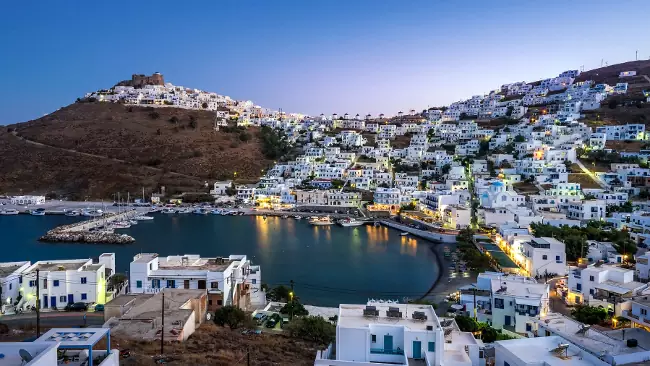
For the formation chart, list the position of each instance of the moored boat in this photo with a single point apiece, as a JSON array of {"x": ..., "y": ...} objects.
[
  {"x": 143, "y": 218},
  {"x": 9, "y": 211},
  {"x": 91, "y": 212},
  {"x": 298, "y": 217},
  {"x": 168, "y": 211},
  {"x": 120, "y": 225},
  {"x": 350, "y": 222},
  {"x": 37, "y": 212},
  {"x": 404, "y": 234},
  {"x": 321, "y": 221},
  {"x": 72, "y": 213}
]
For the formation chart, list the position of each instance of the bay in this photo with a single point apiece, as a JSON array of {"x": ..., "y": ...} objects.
[{"x": 329, "y": 264}]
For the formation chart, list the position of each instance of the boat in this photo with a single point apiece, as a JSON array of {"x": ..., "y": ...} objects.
[
  {"x": 143, "y": 218},
  {"x": 72, "y": 213},
  {"x": 120, "y": 225},
  {"x": 184, "y": 210},
  {"x": 154, "y": 209},
  {"x": 200, "y": 211},
  {"x": 133, "y": 222},
  {"x": 37, "y": 212},
  {"x": 321, "y": 221},
  {"x": 377, "y": 224},
  {"x": 285, "y": 216},
  {"x": 404, "y": 234},
  {"x": 350, "y": 222},
  {"x": 297, "y": 217},
  {"x": 91, "y": 212},
  {"x": 216, "y": 212},
  {"x": 168, "y": 211},
  {"x": 9, "y": 211}
]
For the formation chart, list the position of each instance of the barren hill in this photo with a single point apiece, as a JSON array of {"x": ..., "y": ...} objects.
[
  {"x": 97, "y": 149},
  {"x": 609, "y": 74}
]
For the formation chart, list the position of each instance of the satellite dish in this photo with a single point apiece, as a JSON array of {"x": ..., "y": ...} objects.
[{"x": 208, "y": 316}]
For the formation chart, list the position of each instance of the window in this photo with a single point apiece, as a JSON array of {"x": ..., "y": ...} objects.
[
  {"x": 214, "y": 285},
  {"x": 83, "y": 280},
  {"x": 591, "y": 291},
  {"x": 505, "y": 363},
  {"x": 138, "y": 284},
  {"x": 498, "y": 303},
  {"x": 9, "y": 286},
  {"x": 45, "y": 284},
  {"x": 155, "y": 283},
  {"x": 254, "y": 281},
  {"x": 32, "y": 283},
  {"x": 219, "y": 302},
  {"x": 432, "y": 346},
  {"x": 579, "y": 286},
  {"x": 557, "y": 259},
  {"x": 591, "y": 278},
  {"x": 62, "y": 299},
  {"x": 373, "y": 338},
  {"x": 210, "y": 302},
  {"x": 171, "y": 284},
  {"x": 150, "y": 267},
  {"x": 20, "y": 279},
  {"x": 84, "y": 297},
  {"x": 55, "y": 283},
  {"x": 644, "y": 312},
  {"x": 544, "y": 257}
]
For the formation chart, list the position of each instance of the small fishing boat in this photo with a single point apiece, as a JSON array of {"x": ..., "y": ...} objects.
[
  {"x": 133, "y": 222},
  {"x": 143, "y": 218},
  {"x": 285, "y": 216},
  {"x": 216, "y": 212},
  {"x": 168, "y": 211},
  {"x": 377, "y": 224},
  {"x": 120, "y": 225},
  {"x": 350, "y": 222},
  {"x": 297, "y": 217},
  {"x": 403, "y": 234},
  {"x": 37, "y": 212},
  {"x": 200, "y": 211},
  {"x": 91, "y": 212},
  {"x": 72, "y": 213},
  {"x": 9, "y": 211},
  {"x": 321, "y": 221}
]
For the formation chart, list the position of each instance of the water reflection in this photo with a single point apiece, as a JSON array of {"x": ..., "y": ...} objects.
[
  {"x": 409, "y": 246},
  {"x": 262, "y": 227}
]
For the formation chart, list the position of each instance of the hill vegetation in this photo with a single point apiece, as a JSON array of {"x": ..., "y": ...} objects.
[{"x": 97, "y": 149}]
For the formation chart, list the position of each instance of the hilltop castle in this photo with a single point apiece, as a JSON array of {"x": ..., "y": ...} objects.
[{"x": 140, "y": 80}]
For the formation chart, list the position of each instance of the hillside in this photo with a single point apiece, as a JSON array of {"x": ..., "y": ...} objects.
[
  {"x": 97, "y": 149},
  {"x": 609, "y": 74}
]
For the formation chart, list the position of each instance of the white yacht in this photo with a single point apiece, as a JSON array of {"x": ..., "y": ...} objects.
[
  {"x": 37, "y": 212},
  {"x": 143, "y": 218},
  {"x": 350, "y": 222},
  {"x": 201, "y": 211},
  {"x": 184, "y": 210},
  {"x": 321, "y": 221},
  {"x": 91, "y": 212},
  {"x": 168, "y": 211},
  {"x": 120, "y": 225},
  {"x": 9, "y": 211},
  {"x": 72, "y": 213}
]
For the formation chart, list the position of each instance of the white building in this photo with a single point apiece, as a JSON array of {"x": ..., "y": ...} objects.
[
  {"x": 11, "y": 281},
  {"x": 229, "y": 280},
  {"x": 587, "y": 210},
  {"x": 544, "y": 256},
  {"x": 27, "y": 200},
  {"x": 547, "y": 351},
  {"x": 221, "y": 188},
  {"x": 62, "y": 282},
  {"x": 601, "y": 284},
  {"x": 385, "y": 333}
]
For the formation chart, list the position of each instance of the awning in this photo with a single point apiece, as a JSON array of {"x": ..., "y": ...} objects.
[
  {"x": 531, "y": 302},
  {"x": 614, "y": 289}
]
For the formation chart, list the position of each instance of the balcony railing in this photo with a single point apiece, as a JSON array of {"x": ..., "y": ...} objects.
[{"x": 387, "y": 351}]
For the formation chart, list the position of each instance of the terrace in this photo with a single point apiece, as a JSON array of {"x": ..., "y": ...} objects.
[{"x": 75, "y": 346}]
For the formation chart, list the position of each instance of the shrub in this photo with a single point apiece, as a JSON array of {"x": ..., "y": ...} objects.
[
  {"x": 154, "y": 115},
  {"x": 589, "y": 314},
  {"x": 244, "y": 136},
  {"x": 313, "y": 328},
  {"x": 192, "y": 121},
  {"x": 296, "y": 306},
  {"x": 197, "y": 153},
  {"x": 130, "y": 109},
  {"x": 234, "y": 144},
  {"x": 173, "y": 119},
  {"x": 231, "y": 316}
]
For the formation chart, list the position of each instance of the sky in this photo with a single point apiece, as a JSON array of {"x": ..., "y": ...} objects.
[{"x": 307, "y": 56}]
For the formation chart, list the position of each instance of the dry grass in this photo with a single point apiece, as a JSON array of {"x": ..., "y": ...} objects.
[
  {"x": 126, "y": 133},
  {"x": 599, "y": 166},
  {"x": 585, "y": 180},
  {"x": 525, "y": 188},
  {"x": 624, "y": 146}
]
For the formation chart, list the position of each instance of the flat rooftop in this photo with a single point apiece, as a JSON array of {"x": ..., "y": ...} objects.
[
  {"x": 8, "y": 268},
  {"x": 539, "y": 351},
  {"x": 351, "y": 316},
  {"x": 37, "y": 350},
  {"x": 194, "y": 263},
  {"x": 51, "y": 266},
  {"x": 519, "y": 286},
  {"x": 595, "y": 341}
]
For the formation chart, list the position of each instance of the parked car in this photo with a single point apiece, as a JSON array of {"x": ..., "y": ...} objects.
[
  {"x": 99, "y": 307},
  {"x": 273, "y": 321},
  {"x": 77, "y": 306},
  {"x": 260, "y": 318}
]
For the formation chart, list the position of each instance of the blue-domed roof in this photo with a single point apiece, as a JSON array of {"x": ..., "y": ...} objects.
[{"x": 497, "y": 183}]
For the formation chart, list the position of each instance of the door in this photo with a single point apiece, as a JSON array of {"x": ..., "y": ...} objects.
[
  {"x": 45, "y": 301},
  {"x": 53, "y": 301},
  {"x": 201, "y": 284},
  {"x": 388, "y": 342},
  {"x": 70, "y": 298},
  {"x": 507, "y": 321},
  {"x": 417, "y": 349},
  {"x": 186, "y": 284}
]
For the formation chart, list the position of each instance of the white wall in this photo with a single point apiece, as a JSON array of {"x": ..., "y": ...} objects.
[{"x": 353, "y": 344}]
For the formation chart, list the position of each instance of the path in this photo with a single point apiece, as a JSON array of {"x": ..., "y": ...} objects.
[
  {"x": 592, "y": 175},
  {"x": 159, "y": 170}
]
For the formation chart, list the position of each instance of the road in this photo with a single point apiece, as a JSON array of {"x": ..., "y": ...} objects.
[
  {"x": 592, "y": 175},
  {"x": 556, "y": 304},
  {"x": 51, "y": 319}
]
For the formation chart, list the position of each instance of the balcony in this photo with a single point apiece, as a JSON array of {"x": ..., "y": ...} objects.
[{"x": 382, "y": 351}]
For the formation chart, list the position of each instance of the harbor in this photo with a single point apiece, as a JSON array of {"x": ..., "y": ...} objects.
[{"x": 99, "y": 229}]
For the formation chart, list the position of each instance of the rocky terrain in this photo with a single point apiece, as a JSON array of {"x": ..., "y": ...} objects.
[{"x": 97, "y": 149}]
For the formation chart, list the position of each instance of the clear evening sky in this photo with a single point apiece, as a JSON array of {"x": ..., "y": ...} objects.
[{"x": 309, "y": 56}]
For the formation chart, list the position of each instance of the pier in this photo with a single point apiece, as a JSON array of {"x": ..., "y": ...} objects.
[{"x": 80, "y": 232}]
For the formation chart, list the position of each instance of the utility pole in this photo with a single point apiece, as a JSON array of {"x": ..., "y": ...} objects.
[
  {"x": 291, "y": 302},
  {"x": 162, "y": 333},
  {"x": 248, "y": 357},
  {"x": 38, "y": 304},
  {"x": 474, "y": 291}
]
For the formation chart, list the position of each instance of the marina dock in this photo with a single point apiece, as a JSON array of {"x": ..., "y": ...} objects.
[{"x": 81, "y": 232}]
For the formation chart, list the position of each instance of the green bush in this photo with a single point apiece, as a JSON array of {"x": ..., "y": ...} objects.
[
  {"x": 312, "y": 328},
  {"x": 231, "y": 316}
]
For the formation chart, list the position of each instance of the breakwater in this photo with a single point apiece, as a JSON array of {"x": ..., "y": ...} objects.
[{"x": 88, "y": 231}]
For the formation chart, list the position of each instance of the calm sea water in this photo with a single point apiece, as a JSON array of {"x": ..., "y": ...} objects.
[{"x": 329, "y": 264}]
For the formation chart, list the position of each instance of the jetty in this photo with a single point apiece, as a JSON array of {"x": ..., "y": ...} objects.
[{"x": 83, "y": 232}]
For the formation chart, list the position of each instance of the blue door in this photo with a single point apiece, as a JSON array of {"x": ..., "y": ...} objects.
[
  {"x": 45, "y": 301},
  {"x": 53, "y": 301},
  {"x": 388, "y": 342},
  {"x": 417, "y": 349},
  {"x": 507, "y": 321},
  {"x": 70, "y": 298}
]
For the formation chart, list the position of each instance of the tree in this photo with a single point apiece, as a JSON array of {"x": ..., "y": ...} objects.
[
  {"x": 466, "y": 324},
  {"x": 520, "y": 138},
  {"x": 612, "y": 104},
  {"x": 173, "y": 119},
  {"x": 192, "y": 121},
  {"x": 154, "y": 115},
  {"x": 509, "y": 111},
  {"x": 279, "y": 293},
  {"x": 409, "y": 207},
  {"x": 589, "y": 314},
  {"x": 231, "y": 316},
  {"x": 446, "y": 168},
  {"x": 204, "y": 105},
  {"x": 296, "y": 306},
  {"x": 312, "y": 328},
  {"x": 117, "y": 279},
  {"x": 244, "y": 136}
]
